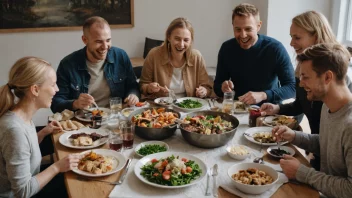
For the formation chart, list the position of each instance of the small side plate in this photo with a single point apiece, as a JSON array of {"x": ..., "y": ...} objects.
[
  {"x": 285, "y": 148},
  {"x": 139, "y": 146}
]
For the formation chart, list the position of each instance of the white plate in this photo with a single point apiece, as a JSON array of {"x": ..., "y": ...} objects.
[
  {"x": 285, "y": 148},
  {"x": 119, "y": 162},
  {"x": 66, "y": 141},
  {"x": 251, "y": 131},
  {"x": 239, "y": 110},
  {"x": 78, "y": 115},
  {"x": 144, "y": 106},
  {"x": 268, "y": 121},
  {"x": 204, "y": 104},
  {"x": 148, "y": 158},
  {"x": 139, "y": 146},
  {"x": 157, "y": 101}
]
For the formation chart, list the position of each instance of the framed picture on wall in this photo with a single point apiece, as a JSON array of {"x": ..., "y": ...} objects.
[{"x": 53, "y": 15}]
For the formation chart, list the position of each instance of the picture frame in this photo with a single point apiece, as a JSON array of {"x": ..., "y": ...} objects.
[{"x": 61, "y": 15}]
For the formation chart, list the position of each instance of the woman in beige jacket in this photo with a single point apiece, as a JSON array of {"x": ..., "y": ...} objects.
[{"x": 175, "y": 65}]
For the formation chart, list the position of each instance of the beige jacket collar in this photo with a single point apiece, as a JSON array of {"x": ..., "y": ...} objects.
[{"x": 166, "y": 59}]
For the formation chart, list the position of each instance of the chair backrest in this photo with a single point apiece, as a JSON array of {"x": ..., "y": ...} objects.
[
  {"x": 137, "y": 71},
  {"x": 149, "y": 44}
]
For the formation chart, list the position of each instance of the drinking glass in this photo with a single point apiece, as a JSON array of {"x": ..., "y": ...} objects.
[
  {"x": 115, "y": 141},
  {"x": 115, "y": 104},
  {"x": 113, "y": 122},
  {"x": 227, "y": 104},
  {"x": 127, "y": 129}
]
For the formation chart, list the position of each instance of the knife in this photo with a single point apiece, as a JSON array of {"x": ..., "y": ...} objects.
[{"x": 123, "y": 175}]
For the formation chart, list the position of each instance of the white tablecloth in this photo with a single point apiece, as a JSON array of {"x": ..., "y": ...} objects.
[{"x": 133, "y": 187}]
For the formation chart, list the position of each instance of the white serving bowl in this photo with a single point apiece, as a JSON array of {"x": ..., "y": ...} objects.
[
  {"x": 238, "y": 152},
  {"x": 127, "y": 111},
  {"x": 253, "y": 189}
]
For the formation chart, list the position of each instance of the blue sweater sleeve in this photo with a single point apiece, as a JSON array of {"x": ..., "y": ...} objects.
[
  {"x": 221, "y": 73},
  {"x": 285, "y": 73}
]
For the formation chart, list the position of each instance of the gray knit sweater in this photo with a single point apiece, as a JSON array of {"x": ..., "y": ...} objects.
[
  {"x": 20, "y": 157},
  {"x": 334, "y": 145}
]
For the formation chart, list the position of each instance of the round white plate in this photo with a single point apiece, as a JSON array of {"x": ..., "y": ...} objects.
[
  {"x": 251, "y": 131},
  {"x": 239, "y": 110},
  {"x": 78, "y": 115},
  {"x": 148, "y": 158},
  {"x": 204, "y": 104},
  {"x": 285, "y": 148},
  {"x": 139, "y": 146},
  {"x": 268, "y": 120},
  {"x": 144, "y": 106},
  {"x": 157, "y": 101},
  {"x": 66, "y": 141},
  {"x": 119, "y": 162}
]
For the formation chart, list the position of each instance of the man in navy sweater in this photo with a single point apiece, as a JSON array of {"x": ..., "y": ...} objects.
[{"x": 257, "y": 67}]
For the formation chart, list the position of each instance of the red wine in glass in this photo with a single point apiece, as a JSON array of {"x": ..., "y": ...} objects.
[
  {"x": 128, "y": 141},
  {"x": 116, "y": 144}
]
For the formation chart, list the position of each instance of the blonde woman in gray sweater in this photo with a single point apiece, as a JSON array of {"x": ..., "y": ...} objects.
[{"x": 33, "y": 81}]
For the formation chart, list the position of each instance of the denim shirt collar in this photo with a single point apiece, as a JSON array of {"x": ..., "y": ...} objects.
[{"x": 83, "y": 65}]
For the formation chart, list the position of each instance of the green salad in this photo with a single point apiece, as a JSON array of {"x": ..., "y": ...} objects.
[
  {"x": 171, "y": 171},
  {"x": 150, "y": 149},
  {"x": 189, "y": 104}
]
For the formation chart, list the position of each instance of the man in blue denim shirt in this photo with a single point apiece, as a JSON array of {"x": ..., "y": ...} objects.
[{"x": 96, "y": 72}]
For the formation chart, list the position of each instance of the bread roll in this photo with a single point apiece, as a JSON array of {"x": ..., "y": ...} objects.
[
  {"x": 78, "y": 124},
  {"x": 64, "y": 125},
  {"x": 70, "y": 125}
]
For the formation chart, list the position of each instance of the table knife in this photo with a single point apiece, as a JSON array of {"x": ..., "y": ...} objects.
[{"x": 123, "y": 175}]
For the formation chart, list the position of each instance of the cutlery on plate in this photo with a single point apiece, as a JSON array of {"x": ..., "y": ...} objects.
[
  {"x": 207, "y": 192},
  {"x": 98, "y": 180},
  {"x": 214, "y": 174},
  {"x": 123, "y": 175}
]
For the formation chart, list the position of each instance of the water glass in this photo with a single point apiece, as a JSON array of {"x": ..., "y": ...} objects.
[
  {"x": 115, "y": 141},
  {"x": 113, "y": 122},
  {"x": 127, "y": 129},
  {"x": 227, "y": 104},
  {"x": 115, "y": 104}
]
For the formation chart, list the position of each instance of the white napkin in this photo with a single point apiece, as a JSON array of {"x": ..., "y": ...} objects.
[{"x": 232, "y": 189}]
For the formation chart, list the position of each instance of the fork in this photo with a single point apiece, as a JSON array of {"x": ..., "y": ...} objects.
[{"x": 91, "y": 179}]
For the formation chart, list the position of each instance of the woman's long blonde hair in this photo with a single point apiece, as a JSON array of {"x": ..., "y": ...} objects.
[
  {"x": 26, "y": 72},
  {"x": 317, "y": 25},
  {"x": 179, "y": 23}
]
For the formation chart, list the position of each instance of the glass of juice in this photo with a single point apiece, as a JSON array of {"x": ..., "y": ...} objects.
[{"x": 227, "y": 104}]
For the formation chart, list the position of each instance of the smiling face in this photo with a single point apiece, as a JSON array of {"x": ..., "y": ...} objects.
[
  {"x": 47, "y": 90},
  {"x": 311, "y": 82},
  {"x": 180, "y": 40},
  {"x": 301, "y": 39},
  {"x": 245, "y": 29},
  {"x": 98, "y": 42}
]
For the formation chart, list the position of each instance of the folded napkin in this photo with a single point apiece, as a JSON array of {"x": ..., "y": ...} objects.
[{"x": 232, "y": 189}]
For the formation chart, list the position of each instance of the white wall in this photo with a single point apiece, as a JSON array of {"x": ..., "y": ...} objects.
[
  {"x": 281, "y": 12},
  {"x": 211, "y": 20}
]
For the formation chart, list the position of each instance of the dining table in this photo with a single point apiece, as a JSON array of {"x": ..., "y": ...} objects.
[{"x": 133, "y": 187}]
